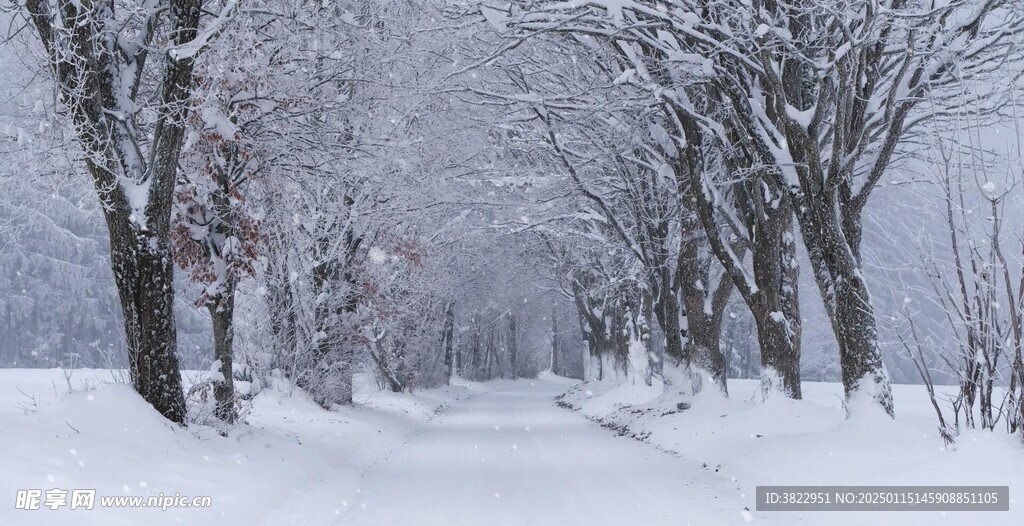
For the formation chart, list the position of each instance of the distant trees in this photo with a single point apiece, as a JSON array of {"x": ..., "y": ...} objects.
[
  {"x": 648, "y": 270},
  {"x": 407, "y": 314},
  {"x": 57, "y": 297},
  {"x": 357, "y": 178},
  {"x": 566, "y": 360},
  {"x": 501, "y": 322}
]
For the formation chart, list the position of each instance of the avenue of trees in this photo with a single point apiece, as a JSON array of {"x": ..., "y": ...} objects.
[{"x": 672, "y": 192}]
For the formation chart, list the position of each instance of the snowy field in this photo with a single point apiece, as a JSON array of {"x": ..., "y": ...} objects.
[{"x": 499, "y": 453}]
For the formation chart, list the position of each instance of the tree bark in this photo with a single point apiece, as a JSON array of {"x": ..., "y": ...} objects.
[
  {"x": 639, "y": 343},
  {"x": 667, "y": 312},
  {"x": 448, "y": 341},
  {"x": 704, "y": 302},
  {"x": 555, "y": 347},
  {"x": 145, "y": 284},
  {"x": 860, "y": 355},
  {"x": 775, "y": 303},
  {"x": 839, "y": 276},
  {"x": 222, "y": 312},
  {"x": 513, "y": 348}
]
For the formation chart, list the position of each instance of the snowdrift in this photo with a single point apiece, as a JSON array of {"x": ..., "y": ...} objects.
[
  {"x": 291, "y": 463},
  {"x": 811, "y": 442}
]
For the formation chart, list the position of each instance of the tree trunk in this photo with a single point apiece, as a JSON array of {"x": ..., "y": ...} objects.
[
  {"x": 1019, "y": 368},
  {"x": 775, "y": 303},
  {"x": 333, "y": 384},
  {"x": 145, "y": 284},
  {"x": 667, "y": 312},
  {"x": 222, "y": 311},
  {"x": 513, "y": 345},
  {"x": 860, "y": 356},
  {"x": 448, "y": 341},
  {"x": 771, "y": 296},
  {"x": 705, "y": 350},
  {"x": 90, "y": 74},
  {"x": 385, "y": 370},
  {"x": 642, "y": 335},
  {"x": 832, "y": 235},
  {"x": 555, "y": 348},
  {"x": 780, "y": 372},
  {"x": 704, "y": 303}
]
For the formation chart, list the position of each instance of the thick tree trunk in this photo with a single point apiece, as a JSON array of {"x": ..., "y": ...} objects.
[
  {"x": 864, "y": 372},
  {"x": 789, "y": 299},
  {"x": 780, "y": 372},
  {"x": 843, "y": 290},
  {"x": 667, "y": 312},
  {"x": 838, "y": 274},
  {"x": 145, "y": 284},
  {"x": 775, "y": 304},
  {"x": 705, "y": 350},
  {"x": 222, "y": 311},
  {"x": 704, "y": 304},
  {"x": 641, "y": 355}
]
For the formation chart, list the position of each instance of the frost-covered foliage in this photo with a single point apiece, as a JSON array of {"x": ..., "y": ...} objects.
[
  {"x": 816, "y": 98},
  {"x": 403, "y": 302},
  {"x": 970, "y": 276},
  {"x": 627, "y": 192}
]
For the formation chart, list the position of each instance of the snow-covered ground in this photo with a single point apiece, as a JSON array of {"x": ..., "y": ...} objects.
[
  {"x": 810, "y": 442},
  {"x": 478, "y": 454},
  {"x": 294, "y": 463},
  {"x": 511, "y": 457}
]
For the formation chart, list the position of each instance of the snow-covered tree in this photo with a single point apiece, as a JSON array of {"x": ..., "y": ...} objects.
[
  {"x": 124, "y": 73},
  {"x": 821, "y": 94}
]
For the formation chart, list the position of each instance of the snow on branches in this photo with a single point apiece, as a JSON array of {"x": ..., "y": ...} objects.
[{"x": 216, "y": 234}]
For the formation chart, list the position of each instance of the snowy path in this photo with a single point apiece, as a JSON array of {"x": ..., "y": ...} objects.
[{"x": 511, "y": 457}]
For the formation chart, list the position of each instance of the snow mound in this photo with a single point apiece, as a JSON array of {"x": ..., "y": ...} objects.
[
  {"x": 781, "y": 441},
  {"x": 290, "y": 462}
]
